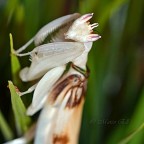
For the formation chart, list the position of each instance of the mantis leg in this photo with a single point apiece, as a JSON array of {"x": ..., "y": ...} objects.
[
  {"x": 46, "y": 30},
  {"x": 48, "y": 56},
  {"x": 24, "y": 47},
  {"x": 31, "y": 89},
  {"x": 43, "y": 89}
]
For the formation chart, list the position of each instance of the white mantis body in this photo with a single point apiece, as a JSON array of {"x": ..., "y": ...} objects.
[{"x": 60, "y": 93}]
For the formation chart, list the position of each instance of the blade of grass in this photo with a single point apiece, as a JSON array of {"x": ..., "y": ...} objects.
[
  {"x": 5, "y": 129},
  {"x": 22, "y": 121},
  {"x": 135, "y": 126},
  {"x": 137, "y": 120},
  {"x": 15, "y": 65},
  {"x": 10, "y": 9},
  {"x": 132, "y": 135}
]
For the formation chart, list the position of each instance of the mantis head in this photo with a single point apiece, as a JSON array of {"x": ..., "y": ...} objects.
[{"x": 81, "y": 30}]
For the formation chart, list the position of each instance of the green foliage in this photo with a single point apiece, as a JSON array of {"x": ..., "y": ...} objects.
[
  {"x": 21, "y": 120},
  {"x": 15, "y": 65},
  {"x": 4, "y": 127}
]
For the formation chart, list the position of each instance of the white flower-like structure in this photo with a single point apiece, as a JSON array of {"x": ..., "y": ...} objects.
[{"x": 59, "y": 67}]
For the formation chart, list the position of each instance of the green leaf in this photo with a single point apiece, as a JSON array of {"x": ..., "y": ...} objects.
[
  {"x": 15, "y": 65},
  {"x": 21, "y": 119},
  {"x": 5, "y": 129}
]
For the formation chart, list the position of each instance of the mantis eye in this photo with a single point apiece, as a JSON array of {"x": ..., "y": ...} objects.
[{"x": 76, "y": 80}]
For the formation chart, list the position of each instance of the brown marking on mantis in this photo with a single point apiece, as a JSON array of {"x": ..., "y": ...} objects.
[
  {"x": 73, "y": 102},
  {"x": 64, "y": 86},
  {"x": 73, "y": 82},
  {"x": 60, "y": 139}
]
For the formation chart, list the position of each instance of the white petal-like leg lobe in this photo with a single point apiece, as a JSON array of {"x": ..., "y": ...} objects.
[
  {"x": 44, "y": 125},
  {"x": 23, "y": 73},
  {"x": 59, "y": 124},
  {"x": 49, "y": 56},
  {"x": 47, "y": 121},
  {"x": 43, "y": 89}
]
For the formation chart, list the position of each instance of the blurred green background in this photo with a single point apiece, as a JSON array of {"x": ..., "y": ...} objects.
[{"x": 114, "y": 106}]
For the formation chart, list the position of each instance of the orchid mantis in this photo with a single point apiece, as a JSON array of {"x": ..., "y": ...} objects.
[{"x": 60, "y": 90}]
